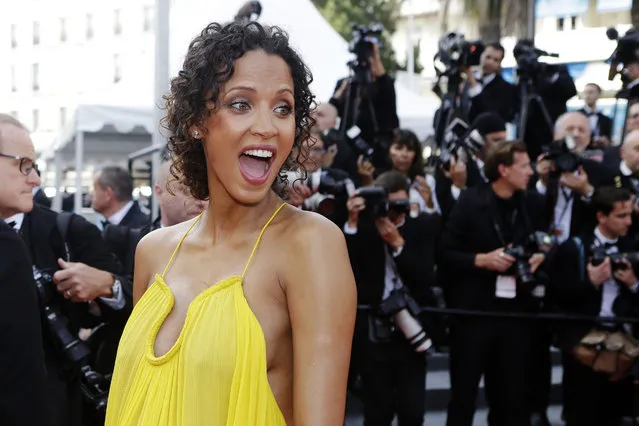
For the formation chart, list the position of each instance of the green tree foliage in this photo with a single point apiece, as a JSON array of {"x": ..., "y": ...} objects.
[{"x": 341, "y": 13}]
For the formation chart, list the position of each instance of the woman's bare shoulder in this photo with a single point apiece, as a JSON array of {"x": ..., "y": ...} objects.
[
  {"x": 157, "y": 246},
  {"x": 302, "y": 227}
]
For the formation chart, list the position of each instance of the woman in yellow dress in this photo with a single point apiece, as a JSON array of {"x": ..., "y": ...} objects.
[{"x": 244, "y": 315}]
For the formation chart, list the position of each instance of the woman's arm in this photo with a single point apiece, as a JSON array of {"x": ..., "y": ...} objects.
[{"x": 322, "y": 303}]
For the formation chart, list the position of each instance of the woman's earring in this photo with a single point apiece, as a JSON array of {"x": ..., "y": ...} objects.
[{"x": 196, "y": 134}]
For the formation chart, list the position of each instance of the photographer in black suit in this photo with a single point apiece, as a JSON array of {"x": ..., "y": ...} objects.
[
  {"x": 487, "y": 221},
  {"x": 390, "y": 254},
  {"x": 600, "y": 124},
  {"x": 84, "y": 288},
  {"x": 23, "y": 398},
  {"x": 586, "y": 287}
]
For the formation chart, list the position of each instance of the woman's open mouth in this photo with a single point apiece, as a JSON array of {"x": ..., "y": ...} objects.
[{"x": 255, "y": 164}]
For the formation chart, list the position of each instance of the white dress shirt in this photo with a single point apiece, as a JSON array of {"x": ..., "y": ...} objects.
[
  {"x": 562, "y": 217},
  {"x": 593, "y": 119},
  {"x": 119, "y": 215}
]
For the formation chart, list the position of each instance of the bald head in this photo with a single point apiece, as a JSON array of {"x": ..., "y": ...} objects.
[
  {"x": 630, "y": 151},
  {"x": 574, "y": 124},
  {"x": 325, "y": 116}
]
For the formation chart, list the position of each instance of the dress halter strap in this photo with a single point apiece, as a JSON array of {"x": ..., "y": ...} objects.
[
  {"x": 180, "y": 244},
  {"x": 259, "y": 238}
]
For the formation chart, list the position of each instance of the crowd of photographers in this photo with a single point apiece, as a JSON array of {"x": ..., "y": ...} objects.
[{"x": 504, "y": 234}]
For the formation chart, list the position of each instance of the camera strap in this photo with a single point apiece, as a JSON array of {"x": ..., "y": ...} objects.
[
  {"x": 497, "y": 217},
  {"x": 397, "y": 284},
  {"x": 63, "y": 221},
  {"x": 582, "y": 258}
]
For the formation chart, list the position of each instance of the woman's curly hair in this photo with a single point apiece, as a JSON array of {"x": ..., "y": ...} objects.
[{"x": 209, "y": 63}]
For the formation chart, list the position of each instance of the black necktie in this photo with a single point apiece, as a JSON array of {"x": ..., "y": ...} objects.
[
  {"x": 104, "y": 223},
  {"x": 13, "y": 226}
]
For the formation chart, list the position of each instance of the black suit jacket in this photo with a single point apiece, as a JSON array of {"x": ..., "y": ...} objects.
[
  {"x": 415, "y": 264},
  {"x": 604, "y": 124},
  {"x": 41, "y": 198},
  {"x": 497, "y": 96},
  {"x": 123, "y": 241},
  {"x": 22, "y": 371},
  {"x": 470, "y": 230},
  {"x": 135, "y": 218},
  {"x": 574, "y": 293}
]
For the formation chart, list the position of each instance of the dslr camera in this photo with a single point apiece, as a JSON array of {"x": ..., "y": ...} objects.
[
  {"x": 624, "y": 53},
  {"x": 528, "y": 65},
  {"x": 560, "y": 152},
  {"x": 616, "y": 259},
  {"x": 402, "y": 309},
  {"x": 378, "y": 205},
  {"x": 328, "y": 186},
  {"x": 94, "y": 386},
  {"x": 537, "y": 242},
  {"x": 364, "y": 37},
  {"x": 455, "y": 52}
]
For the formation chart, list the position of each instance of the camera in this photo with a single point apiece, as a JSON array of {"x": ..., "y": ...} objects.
[
  {"x": 364, "y": 37},
  {"x": 454, "y": 139},
  {"x": 560, "y": 152},
  {"x": 537, "y": 242},
  {"x": 94, "y": 385},
  {"x": 616, "y": 259},
  {"x": 624, "y": 53},
  {"x": 378, "y": 205},
  {"x": 455, "y": 52},
  {"x": 528, "y": 65},
  {"x": 328, "y": 186},
  {"x": 403, "y": 309}
]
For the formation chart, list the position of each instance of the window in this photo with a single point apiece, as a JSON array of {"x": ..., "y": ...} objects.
[
  {"x": 89, "y": 28},
  {"x": 560, "y": 24},
  {"x": 36, "y": 120},
  {"x": 117, "y": 71},
  {"x": 148, "y": 18},
  {"x": 14, "y": 36},
  {"x": 573, "y": 22},
  {"x": 36, "y": 77},
  {"x": 14, "y": 87},
  {"x": 117, "y": 25},
  {"x": 36, "y": 33},
  {"x": 63, "y": 30},
  {"x": 63, "y": 116}
]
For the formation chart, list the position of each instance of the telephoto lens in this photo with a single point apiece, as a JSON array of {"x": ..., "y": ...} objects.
[{"x": 413, "y": 331}]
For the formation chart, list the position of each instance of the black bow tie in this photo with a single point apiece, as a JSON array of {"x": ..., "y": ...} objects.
[{"x": 104, "y": 223}]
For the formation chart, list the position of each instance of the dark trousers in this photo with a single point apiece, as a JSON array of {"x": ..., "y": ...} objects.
[
  {"x": 65, "y": 398},
  {"x": 497, "y": 349},
  {"x": 393, "y": 382},
  {"x": 590, "y": 398},
  {"x": 540, "y": 369}
]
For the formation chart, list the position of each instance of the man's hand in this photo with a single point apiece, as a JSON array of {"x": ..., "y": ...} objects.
[
  {"x": 535, "y": 261},
  {"x": 577, "y": 182},
  {"x": 365, "y": 169},
  {"x": 599, "y": 274},
  {"x": 354, "y": 205},
  {"x": 457, "y": 173},
  {"x": 543, "y": 168},
  {"x": 496, "y": 260},
  {"x": 389, "y": 232},
  {"x": 297, "y": 193},
  {"x": 424, "y": 190},
  {"x": 626, "y": 276},
  {"x": 339, "y": 93},
  {"x": 377, "y": 67},
  {"x": 81, "y": 283}
]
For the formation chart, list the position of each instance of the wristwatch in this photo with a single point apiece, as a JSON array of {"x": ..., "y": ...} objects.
[{"x": 116, "y": 288}]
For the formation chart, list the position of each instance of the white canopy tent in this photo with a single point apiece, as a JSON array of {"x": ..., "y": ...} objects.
[{"x": 97, "y": 134}]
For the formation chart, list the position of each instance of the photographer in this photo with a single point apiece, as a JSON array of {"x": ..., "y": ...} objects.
[
  {"x": 392, "y": 255},
  {"x": 590, "y": 280},
  {"x": 466, "y": 168},
  {"x": 552, "y": 83},
  {"x": 487, "y": 249},
  {"x": 23, "y": 397},
  {"x": 569, "y": 181},
  {"x": 491, "y": 93},
  {"x": 600, "y": 124},
  {"x": 84, "y": 293},
  {"x": 366, "y": 100}
]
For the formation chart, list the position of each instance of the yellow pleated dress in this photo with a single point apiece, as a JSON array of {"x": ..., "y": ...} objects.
[{"x": 215, "y": 373}]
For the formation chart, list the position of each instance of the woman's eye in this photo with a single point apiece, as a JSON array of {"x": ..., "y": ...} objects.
[
  {"x": 240, "y": 105},
  {"x": 284, "y": 109}
]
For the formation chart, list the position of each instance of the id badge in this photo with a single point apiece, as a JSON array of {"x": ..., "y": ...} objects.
[{"x": 506, "y": 287}]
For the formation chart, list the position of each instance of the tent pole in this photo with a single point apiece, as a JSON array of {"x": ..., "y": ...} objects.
[
  {"x": 57, "y": 199},
  {"x": 161, "y": 85},
  {"x": 79, "y": 166}
]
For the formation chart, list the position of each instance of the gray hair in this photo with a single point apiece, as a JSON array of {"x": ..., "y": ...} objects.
[
  {"x": 559, "y": 124},
  {"x": 9, "y": 120},
  {"x": 118, "y": 179}
]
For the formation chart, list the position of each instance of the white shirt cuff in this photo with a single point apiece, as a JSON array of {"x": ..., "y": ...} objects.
[
  {"x": 455, "y": 192},
  {"x": 429, "y": 210},
  {"x": 475, "y": 91},
  {"x": 541, "y": 188},
  {"x": 116, "y": 302},
  {"x": 398, "y": 251},
  {"x": 635, "y": 287},
  {"x": 349, "y": 230}
]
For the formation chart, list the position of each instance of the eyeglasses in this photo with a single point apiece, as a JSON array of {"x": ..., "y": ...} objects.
[{"x": 26, "y": 164}]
